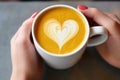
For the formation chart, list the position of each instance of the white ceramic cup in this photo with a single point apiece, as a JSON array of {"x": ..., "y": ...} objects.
[{"x": 64, "y": 61}]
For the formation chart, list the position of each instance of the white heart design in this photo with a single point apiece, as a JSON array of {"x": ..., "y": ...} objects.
[{"x": 61, "y": 33}]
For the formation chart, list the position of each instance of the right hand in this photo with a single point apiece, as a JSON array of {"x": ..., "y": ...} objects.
[{"x": 110, "y": 50}]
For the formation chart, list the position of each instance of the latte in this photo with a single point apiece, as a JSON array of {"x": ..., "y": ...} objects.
[{"x": 60, "y": 30}]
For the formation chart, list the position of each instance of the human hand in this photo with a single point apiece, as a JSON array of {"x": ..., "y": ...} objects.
[
  {"x": 110, "y": 50},
  {"x": 26, "y": 63}
]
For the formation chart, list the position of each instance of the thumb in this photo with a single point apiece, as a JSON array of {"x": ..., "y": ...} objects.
[
  {"x": 98, "y": 16},
  {"x": 27, "y": 24}
]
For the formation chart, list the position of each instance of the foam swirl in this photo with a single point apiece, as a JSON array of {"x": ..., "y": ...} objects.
[{"x": 61, "y": 33}]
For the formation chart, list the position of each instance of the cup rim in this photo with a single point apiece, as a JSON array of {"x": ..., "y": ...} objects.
[{"x": 84, "y": 42}]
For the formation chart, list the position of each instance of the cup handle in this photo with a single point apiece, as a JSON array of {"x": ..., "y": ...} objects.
[{"x": 98, "y": 35}]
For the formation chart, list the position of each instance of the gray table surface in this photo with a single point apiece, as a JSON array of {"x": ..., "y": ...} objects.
[{"x": 90, "y": 67}]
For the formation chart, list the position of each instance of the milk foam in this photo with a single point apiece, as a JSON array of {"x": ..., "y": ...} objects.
[{"x": 61, "y": 33}]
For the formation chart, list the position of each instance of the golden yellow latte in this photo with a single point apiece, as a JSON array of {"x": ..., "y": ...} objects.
[{"x": 60, "y": 30}]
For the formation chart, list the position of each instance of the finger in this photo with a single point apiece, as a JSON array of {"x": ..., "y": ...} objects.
[
  {"x": 114, "y": 17},
  {"x": 100, "y": 18},
  {"x": 91, "y": 22},
  {"x": 96, "y": 15},
  {"x": 25, "y": 26},
  {"x": 23, "y": 32}
]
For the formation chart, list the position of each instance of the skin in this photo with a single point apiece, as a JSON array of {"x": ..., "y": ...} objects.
[
  {"x": 110, "y": 50},
  {"x": 27, "y": 64}
]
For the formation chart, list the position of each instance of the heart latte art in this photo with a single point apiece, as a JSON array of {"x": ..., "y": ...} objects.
[
  {"x": 61, "y": 33},
  {"x": 60, "y": 30}
]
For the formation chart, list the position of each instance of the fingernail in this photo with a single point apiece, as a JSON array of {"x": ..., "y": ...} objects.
[
  {"x": 82, "y": 7},
  {"x": 34, "y": 14}
]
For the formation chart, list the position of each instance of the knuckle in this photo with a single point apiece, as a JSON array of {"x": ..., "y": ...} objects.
[
  {"x": 26, "y": 22},
  {"x": 114, "y": 15},
  {"x": 114, "y": 23},
  {"x": 22, "y": 40},
  {"x": 19, "y": 41},
  {"x": 95, "y": 10}
]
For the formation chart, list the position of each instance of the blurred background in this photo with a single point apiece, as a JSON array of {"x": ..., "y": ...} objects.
[
  {"x": 59, "y": 0},
  {"x": 14, "y": 12}
]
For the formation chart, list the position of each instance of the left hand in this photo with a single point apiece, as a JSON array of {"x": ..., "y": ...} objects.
[{"x": 26, "y": 62}]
